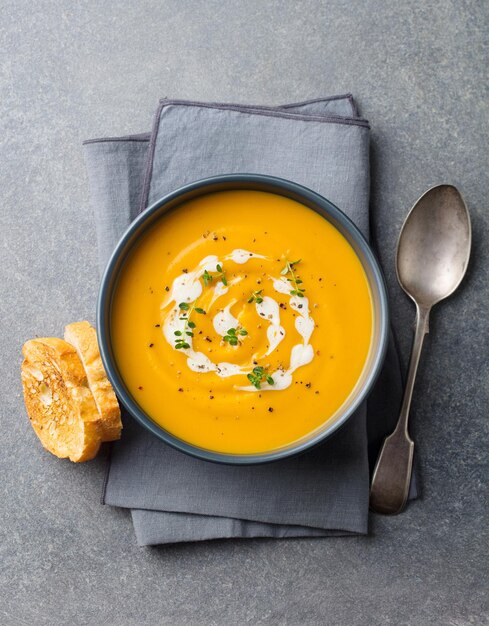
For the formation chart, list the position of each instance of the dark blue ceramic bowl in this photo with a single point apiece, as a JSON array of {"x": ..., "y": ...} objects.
[{"x": 272, "y": 185}]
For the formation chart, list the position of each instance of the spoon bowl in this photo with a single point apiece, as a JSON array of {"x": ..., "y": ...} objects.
[
  {"x": 432, "y": 257},
  {"x": 434, "y": 246}
]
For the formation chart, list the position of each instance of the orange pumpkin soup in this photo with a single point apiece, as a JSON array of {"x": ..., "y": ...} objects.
[{"x": 241, "y": 321}]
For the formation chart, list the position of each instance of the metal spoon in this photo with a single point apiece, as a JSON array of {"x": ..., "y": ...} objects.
[{"x": 432, "y": 256}]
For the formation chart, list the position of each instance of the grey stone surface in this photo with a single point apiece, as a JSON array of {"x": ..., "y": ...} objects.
[{"x": 69, "y": 71}]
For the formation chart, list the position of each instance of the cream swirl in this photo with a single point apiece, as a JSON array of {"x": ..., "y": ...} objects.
[{"x": 186, "y": 290}]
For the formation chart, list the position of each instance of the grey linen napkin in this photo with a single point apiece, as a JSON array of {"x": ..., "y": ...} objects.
[{"x": 322, "y": 144}]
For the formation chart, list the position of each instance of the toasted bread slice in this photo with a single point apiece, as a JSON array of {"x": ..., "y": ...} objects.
[
  {"x": 59, "y": 403},
  {"x": 83, "y": 337}
]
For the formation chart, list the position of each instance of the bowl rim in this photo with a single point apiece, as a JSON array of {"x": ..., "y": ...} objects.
[{"x": 275, "y": 185}]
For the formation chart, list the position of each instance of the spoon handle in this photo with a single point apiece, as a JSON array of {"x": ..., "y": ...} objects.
[
  {"x": 422, "y": 329},
  {"x": 392, "y": 474}
]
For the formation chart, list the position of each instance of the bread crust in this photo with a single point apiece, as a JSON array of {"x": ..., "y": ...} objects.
[
  {"x": 59, "y": 403},
  {"x": 83, "y": 337}
]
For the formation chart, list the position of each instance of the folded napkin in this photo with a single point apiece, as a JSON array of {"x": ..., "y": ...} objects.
[{"x": 324, "y": 145}]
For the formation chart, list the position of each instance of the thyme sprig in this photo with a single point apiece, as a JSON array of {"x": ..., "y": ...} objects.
[
  {"x": 233, "y": 334},
  {"x": 207, "y": 276},
  {"x": 181, "y": 341},
  {"x": 258, "y": 375},
  {"x": 222, "y": 276},
  {"x": 294, "y": 279},
  {"x": 256, "y": 297}
]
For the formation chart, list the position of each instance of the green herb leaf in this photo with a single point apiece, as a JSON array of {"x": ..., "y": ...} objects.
[
  {"x": 180, "y": 343},
  {"x": 207, "y": 278},
  {"x": 256, "y": 297},
  {"x": 258, "y": 375},
  {"x": 293, "y": 279},
  {"x": 254, "y": 380},
  {"x": 182, "y": 346},
  {"x": 222, "y": 277},
  {"x": 231, "y": 335}
]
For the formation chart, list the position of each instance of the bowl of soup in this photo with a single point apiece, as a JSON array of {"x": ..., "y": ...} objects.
[{"x": 242, "y": 319}]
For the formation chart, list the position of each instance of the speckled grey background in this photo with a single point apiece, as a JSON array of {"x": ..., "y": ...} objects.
[{"x": 69, "y": 71}]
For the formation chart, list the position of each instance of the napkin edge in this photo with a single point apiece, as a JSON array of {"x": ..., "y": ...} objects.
[{"x": 277, "y": 111}]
